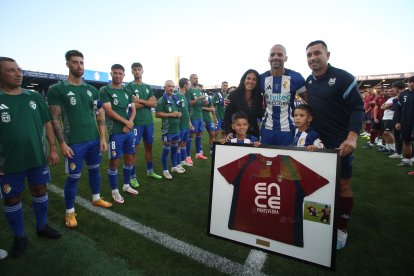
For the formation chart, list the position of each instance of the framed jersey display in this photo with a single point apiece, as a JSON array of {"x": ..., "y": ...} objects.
[{"x": 277, "y": 199}]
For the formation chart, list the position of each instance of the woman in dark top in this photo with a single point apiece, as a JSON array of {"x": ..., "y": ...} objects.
[{"x": 247, "y": 97}]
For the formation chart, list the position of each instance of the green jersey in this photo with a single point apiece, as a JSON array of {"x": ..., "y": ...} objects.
[
  {"x": 218, "y": 103},
  {"x": 207, "y": 114},
  {"x": 168, "y": 105},
  {"x": 78, "y": 107},
  {"x": 121, "y": 102},
  {"x": 144, "y": 92},
  {"x": 185, "y": 111},
  {"x": 196, "y": 109},
  {"x": 23, "y": 119}
]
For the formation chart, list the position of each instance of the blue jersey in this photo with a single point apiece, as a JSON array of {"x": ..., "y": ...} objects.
[
  {"x": 279, "y": 94},
  {"x": 337, "y": 105},
  {"x": 307, "y": 138}
]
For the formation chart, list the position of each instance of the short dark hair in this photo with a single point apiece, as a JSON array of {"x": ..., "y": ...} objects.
[
  {"x": 306, "y": 108},
  {"x": 117, "y": 66},
  {"x": 239, "y": 115},
  {"x": 411, "y": 79},
  {"x": 317, "y": 42},
  {"x": 182, "y": 82},
  {"x": 224, "y": 82},
  {"x": 136, "y": 64},
  {"x": 2, "y": 59},
  {"x": 73, "y": 53},
  {"x": 398, "y": 84}
]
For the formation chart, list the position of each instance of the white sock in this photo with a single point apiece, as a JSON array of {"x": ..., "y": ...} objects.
[
  {"x": 115, "y": 192},
  {"x": 71, "y": 210},
  {"x": 96, "y": 197},
  {"x": 126, "y": 186}
]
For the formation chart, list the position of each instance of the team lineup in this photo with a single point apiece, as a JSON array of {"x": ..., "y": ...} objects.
[{"x": 261, "y": 110}]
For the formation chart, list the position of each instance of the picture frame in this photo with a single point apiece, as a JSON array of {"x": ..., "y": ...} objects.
[{"x": 281, "y": 200}]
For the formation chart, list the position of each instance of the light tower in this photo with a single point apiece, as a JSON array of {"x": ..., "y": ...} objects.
[{"x": 177, "y": 69}]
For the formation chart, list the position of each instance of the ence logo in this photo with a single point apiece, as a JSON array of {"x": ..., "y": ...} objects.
[
  {"x": 6, "y": 188},
  {"x": 268, "y": 198}
]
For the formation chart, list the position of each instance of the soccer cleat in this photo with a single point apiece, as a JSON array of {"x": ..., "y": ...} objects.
[
  {"x": 189, "y": 161},
  {"x": 102, "y": 203},
  {"x": 128, "y": 189},
  {"x": 3, "y": 254},
  {"x": 181, "y": 167},
  {"x": 390, "y": 152},
  {"x": 411, "y": 173},
  {"x": 167, "y": 174},
  {"x": 177, "y": 170},
  {"x": 395, "y": 155},
  {"x": 368, "y": 146},
  {"x": 19, "y": 247},
  {"x": 382, "y": 149},
  {"x": 341, "y": 239},
  {"x": 134, "y": 182},
  {"x": 184, "y": 163},
  {"x": 49, "y": 233},
  {"x": 405, "y": 163},
  {"x": 118, "y": 198},
  {"x": 154, "y": 175},
  {"x": 70, "y": 220},
  {"x": 200, "y": 156}
]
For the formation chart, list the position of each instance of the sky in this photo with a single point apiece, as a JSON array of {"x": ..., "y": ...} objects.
[{"x": 217, "y": 39}]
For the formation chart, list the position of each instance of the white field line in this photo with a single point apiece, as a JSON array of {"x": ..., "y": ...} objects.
[{"x": 200, "y": 255}]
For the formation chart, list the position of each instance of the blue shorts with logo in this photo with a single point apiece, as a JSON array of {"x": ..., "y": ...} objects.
[
  {"x": 89, "y": 151},
  {"x": 171, "y": 138},
  {"x": 219, "y": 124},
  {"x": 198, "y": 125},
  {"x": 144, "y": 132},
  {"x": 121, "y": 143},
  {"x": 211, "y": 127},
  {"x": 13, "y": 184},
  {"x": 184, "y": 135}
]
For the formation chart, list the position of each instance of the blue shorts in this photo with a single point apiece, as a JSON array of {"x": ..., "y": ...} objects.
[
  {"x": 171, "y": 138},
  {"x": 144, "y": 132},
  {"x": 211, "y": 127},
  {"x": 89, "y": 151},
  {"x": 346, "y": 166},
  {"x": 184, "y": 135},
  {"x": 275, "y": 137},
  {"x": 13, "y": 184},
  {"x": 220, "y": 124},
  {"x": 121, "y": 143},
  {"x": 198, "y": 125}
]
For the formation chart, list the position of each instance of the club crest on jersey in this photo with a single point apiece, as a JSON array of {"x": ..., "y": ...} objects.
[
  {"x": 331, "y": 81},
  {"x": 113, "y": 153},
  {"x": 32, "y": 104},
  {"x": 72, "y": 100},
  {"x": 5, "y": 117},
  {"x": 115, "y": 101},
  {"x": 72, "y": 166},
  {"x": 279, "y": 177},
  {"x": 286, "y": 85},
  {"x": 169, "y": 109},
  {"x": 146, "y": 90},
  {"x": 6, "y": 188},
  {"x": 89, "y": 93}
]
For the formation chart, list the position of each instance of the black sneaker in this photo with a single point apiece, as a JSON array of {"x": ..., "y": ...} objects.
[
  {"x": 390, "y": 152},
  {"x": 49, "y": 233},
  {"x": 382, "y": 149},
  {"x": 19, "y": 247}
]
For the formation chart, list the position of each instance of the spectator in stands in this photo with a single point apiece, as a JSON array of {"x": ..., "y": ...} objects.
[
  {"x": 83, "y": 135},
  {"x": 338, "y": 112},
  {"x": 247, "y": 97},
  {"x": 404, "y": 117},
  {"x": 143, "y": 124}
]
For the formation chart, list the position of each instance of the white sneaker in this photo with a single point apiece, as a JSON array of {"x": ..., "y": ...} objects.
[
  {"x": 117, "y": 198},
  {"x": 395, "y": 155},
  {"x": 128, "y": 189},
  {"x": 405, "y": 162},
  {"x": 177, "y": 170},
  {"x": 3, "y": 254},
  {"x": 341, "y": 239},
  {"x": 184, "y": 163},
  {"x": 181, "y": 167},
  {"x": 167, "y": 174},
  {"x": 379, "y": 143}
]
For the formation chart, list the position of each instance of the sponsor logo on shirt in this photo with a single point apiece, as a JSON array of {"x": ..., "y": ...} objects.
[
  {"x": 277, "y": 99},
  {"x": 3, "y": 106},
  {"x": 70, "y": 93},
  {"x": 267, "y": 199},
  {"x": 5, "y": 117},
  {"x": 331, "y": 81}
]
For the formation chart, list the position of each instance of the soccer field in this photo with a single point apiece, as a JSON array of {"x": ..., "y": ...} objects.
[{"x": 163, "y": 230}]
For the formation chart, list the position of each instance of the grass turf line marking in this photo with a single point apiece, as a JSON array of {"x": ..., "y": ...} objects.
[
  {"x": 254, "y": 262},
  {"x": 200, "y": 255}
]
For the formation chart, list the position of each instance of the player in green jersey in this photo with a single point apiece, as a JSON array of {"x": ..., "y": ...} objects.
[
  {"x": 210, "y": 120},
  {"x": 82, "y": 139},
  {"x": 118, "y": 105},
  {"x": 24, "y": 118},
  {"x": 185, "y": 123},
  {"x": 143, "y": 124},
  {"x": 218, "y": 103},
  {"x": 168, "y": 110}
]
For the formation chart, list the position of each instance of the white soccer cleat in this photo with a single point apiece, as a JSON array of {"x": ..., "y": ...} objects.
[
  {"x": 177, "y": 170},
  {"x": 128, "y": 189},
  {"x": 167, "y": 174},
  {"x": 341, "y": 239}
]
